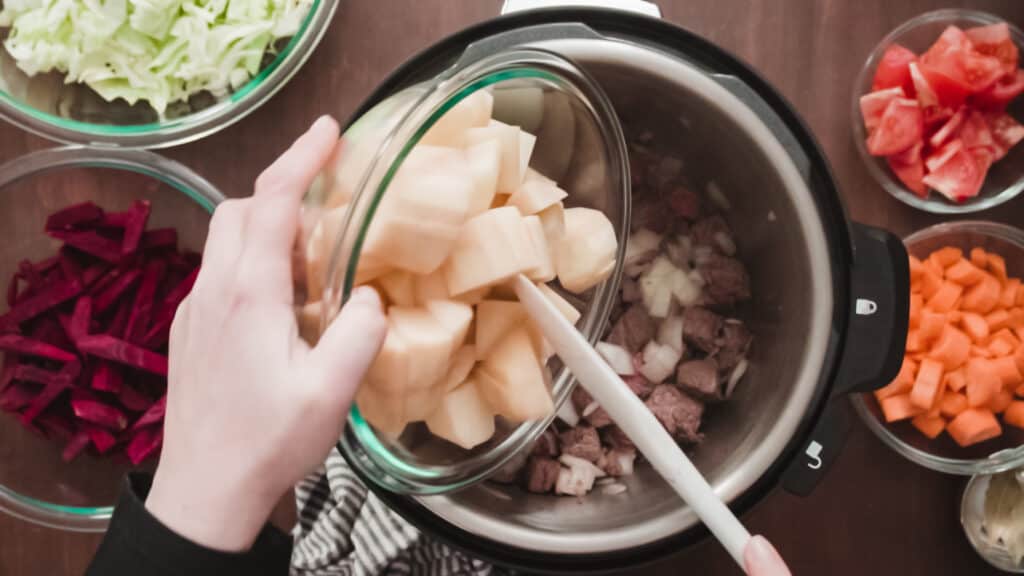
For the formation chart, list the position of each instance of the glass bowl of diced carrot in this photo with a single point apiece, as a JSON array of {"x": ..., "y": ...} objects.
[{"x": 957, "y": 405}]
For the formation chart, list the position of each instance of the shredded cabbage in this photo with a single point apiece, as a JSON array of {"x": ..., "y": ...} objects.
[{"x": 159, "y": 51}]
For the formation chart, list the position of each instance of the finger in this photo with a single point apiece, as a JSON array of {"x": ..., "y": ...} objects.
[
  {"x": 761, "y": 559},
  {"x": 224, "y": 243},
  {"x": 273, "y": 220},
  {"x": 347, "y": 349}
]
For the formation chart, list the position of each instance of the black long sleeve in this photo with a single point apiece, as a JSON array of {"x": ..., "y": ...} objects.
[{"x": 137, "y": 543}]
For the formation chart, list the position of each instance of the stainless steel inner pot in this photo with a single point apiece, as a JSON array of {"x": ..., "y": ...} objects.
[{"x": 780, "y": 237}]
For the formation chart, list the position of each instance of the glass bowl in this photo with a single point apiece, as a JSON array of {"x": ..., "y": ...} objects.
[
  {"x": 35, "y": 484},
  {"x": 972, "y": 517},
  {"x": 942, "y": 454},
  {"x": 579, "y": 144},
  {"x": 75, "y": 114},
  {"x": 1005, "y": 178}
]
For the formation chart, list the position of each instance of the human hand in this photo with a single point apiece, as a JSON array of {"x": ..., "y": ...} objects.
[
  {"x": 761, "y": 559},
  {"x": 251, "y": 408}
]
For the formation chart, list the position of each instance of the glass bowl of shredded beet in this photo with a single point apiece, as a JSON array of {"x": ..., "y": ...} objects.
[{"x": 97, "y": 249}]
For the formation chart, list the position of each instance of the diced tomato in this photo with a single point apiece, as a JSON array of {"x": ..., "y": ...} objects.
[
  {"x": 939, "y": 157},
  {"x": 873, "y": 104},
  {"x": 948, "y": 129},
  {"x": 958, "y": 177},
  {"x": 995, "y": 40},
  {"x": 936, "y": 116},
  {"x": 974, "y": 132},
  {"x": 949, "y": 90},
  {"x": 1006, "y": 131},
  {"x": 984, "y": 158},
  {"x": 893, "y": 70},
  {"x": 951, "y": 41},
  {"x": 909, "y": 168},
  {"x": 901, "y": 126},
  {"x": 982, "y": 71},
  {"x": 1000, "y": 94},
  {"x": 923, "y": 90}
]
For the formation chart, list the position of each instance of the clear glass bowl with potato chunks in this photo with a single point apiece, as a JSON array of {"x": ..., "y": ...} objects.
[
  {"x": 958, "y": 404},
  {"x": 437, "y": 197}
]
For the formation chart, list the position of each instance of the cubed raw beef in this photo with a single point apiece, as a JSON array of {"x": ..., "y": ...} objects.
[
  {"x": 588, "y": 409},
  {"x": 640, "y": 385},
  {"x": 678, "y": 413},
  {"x": 701, "y": 327},
  {"x": 726, "y": 280},
  {"x": 699, "y": 378},
  {"x": 631, "y": 290},
  {"x": 581, "y": 442},
  {"x": 733, "y": 344},
  {"x": 634, "y": 328},
  {"x": 705, "y": 231},
  {"x": 546, "y": 445},
  {"x": 616, "y": 438},
  {"x": 541, "y": 474},
  {"x": 684, "y": 202}
]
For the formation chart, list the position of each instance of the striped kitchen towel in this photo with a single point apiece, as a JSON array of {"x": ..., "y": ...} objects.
[{"x": 345, "y": 530}]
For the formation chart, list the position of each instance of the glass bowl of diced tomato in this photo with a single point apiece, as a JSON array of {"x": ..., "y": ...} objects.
[
  {"x": 936, "y": 113},
  {"x": 957, "y": 405}
]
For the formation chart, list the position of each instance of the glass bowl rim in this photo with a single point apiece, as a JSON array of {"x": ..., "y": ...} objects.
[
  {"x": 1000, "y": 461},
  {"x": 881, "y": 174},
  {"x": 191, "y": 127},
  {"x": 178, "y": 177}
]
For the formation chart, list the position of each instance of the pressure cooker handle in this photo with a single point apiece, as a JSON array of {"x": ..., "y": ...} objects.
[
  {"x": 876, "y": 334},
  {"x": 638, "y": 6}
]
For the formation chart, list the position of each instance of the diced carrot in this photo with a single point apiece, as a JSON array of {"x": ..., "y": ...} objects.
[
  {"x": 982, "y": 297},
  {"x": 1020, "y": 297},
  {"x": 952, "y": 348},
  {"x": 975, "y": 326},
  {"x": 927, "y": 385},
  {"x": 1005, "y": 335},
  {"x": 915, "y": 269},
  {"x": 899, "y": 407},
  {"x": 999, "y": 348},
  {"x": 953, "y": 404},
  {"x": 974, "y": 425},
  {"x": 931, "y": 264},
  {"x": 1008, "y": 297},
  {"x": 1019, "y": 333},
  {"x": 1016, "y": 318},
  {"x": 893, "y": 388},
  {"x": 979, "y": 258},
  {"x": 954, "y": 316},
  {"x": 1009, "y": 374},
  {"x": 1019, "y": 391},
  {"x": 955, "y": 380},
  {"x": 916, "y": 305},
  {"x": 1000, "y": 401},
  {"x": 1014, "y": 414},
  {"x": 980, "y": 352},
  {"x": 930, "y": 426},
  {"x": 947, "y": 256},
  {"x": 945, "y": 298},
  {"x": 914, "y": 342},
  {"x": 997, "y": 266},
  {"x": 964, "y": 273},
  {"x": 982, "y": 382},
  {"x": 930, "y": 282},
  {"x": 1018, "y": 357},
  {"x": 931, "y": 325},
  {"x": 997, "y": 319}
]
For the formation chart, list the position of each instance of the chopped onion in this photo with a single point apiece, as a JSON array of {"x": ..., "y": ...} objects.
[
  {"x": 617, "y": 357},
  {"x": 659, "y": 361},
  {"x": 634, "y": 270},
  {"x": 667, "y": 170},
  {"x": 613, "y": 489},
  {"x": 697, "y": 278},
  {"x": 590, "y": 409},
  {"x": 735, "y": 376},
  {"x": 686, "y": 291},
  {"x": 656, "y": 287},
  {"x": 577, "y": 462},
  {"x": 574, "y": 481},
  {"x": 625, "y": 460},
  {"x": 567, "y": 413},
  {"x": 715, "y": 195},
  {"x": 678, "y": 252},
  {"x": 641, "y": 246},
  {"x": 726, "y": 243},
  {"x": 670, "y": 333}
]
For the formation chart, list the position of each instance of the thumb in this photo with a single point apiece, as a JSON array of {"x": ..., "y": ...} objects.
[
  {"x": 761, "y": 559},
  {"x": 347, "y": 348}
]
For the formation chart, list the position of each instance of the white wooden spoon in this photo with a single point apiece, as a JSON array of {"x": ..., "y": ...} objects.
[{"x": 629, "y": 412}]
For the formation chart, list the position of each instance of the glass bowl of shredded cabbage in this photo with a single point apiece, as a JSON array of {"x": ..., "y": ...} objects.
[{"x": 148, "y": 73}]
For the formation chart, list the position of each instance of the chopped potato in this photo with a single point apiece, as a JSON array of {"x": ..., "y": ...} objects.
[
  {"x": 463, "y": 417},
  {"x": 512, "y": 381},
  {"x": 587, "y": 252}
]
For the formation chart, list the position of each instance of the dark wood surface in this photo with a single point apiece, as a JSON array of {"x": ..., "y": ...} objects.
[{"x": 875, "y": 513}]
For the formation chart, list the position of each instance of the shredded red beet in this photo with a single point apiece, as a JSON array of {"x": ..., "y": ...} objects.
[{"x": 85, "y": 332}]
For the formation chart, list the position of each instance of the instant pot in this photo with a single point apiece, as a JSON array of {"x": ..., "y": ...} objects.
[{"x": 830, "y": 300}]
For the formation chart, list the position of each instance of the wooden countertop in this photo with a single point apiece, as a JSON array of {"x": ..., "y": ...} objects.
[{"x": 874, "y": 513}]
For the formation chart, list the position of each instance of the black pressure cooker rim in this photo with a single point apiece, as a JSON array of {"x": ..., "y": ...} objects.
[{"x": 671, "y": 39}]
